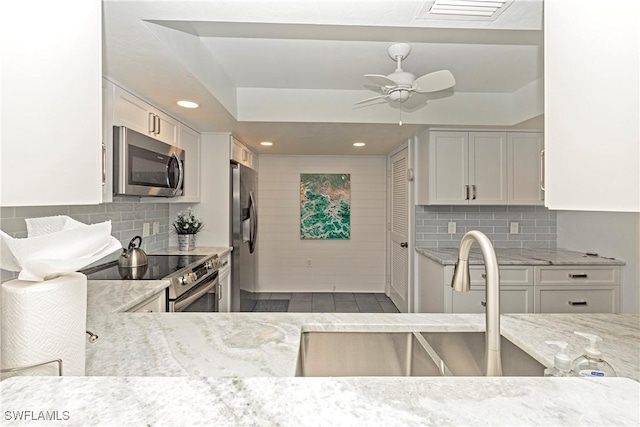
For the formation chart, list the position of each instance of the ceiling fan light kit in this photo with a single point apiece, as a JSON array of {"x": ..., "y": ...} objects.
[{"x": 399, "y": 85}]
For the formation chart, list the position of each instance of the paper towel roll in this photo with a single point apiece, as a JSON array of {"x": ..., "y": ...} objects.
[{"x": 43, "y": 321}]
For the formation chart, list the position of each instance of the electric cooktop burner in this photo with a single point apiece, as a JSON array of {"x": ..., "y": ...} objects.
[{"x": 158, "y": 267}]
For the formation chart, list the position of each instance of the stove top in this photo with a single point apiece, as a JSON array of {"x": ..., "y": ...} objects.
[{"x": 158, "y": 267}]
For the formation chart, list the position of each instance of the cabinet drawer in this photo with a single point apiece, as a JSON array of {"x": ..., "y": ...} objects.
[
  {"x": 516, "y": 300},
  {"x": 154, "y": 304},
  {"x": 569, "y": 300},
  {"x": 515, "y": 276},
  {"x": 578, "y": 276}
]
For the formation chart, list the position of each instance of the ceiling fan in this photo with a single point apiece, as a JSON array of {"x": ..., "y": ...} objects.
[{"x": 399, "y": 85}]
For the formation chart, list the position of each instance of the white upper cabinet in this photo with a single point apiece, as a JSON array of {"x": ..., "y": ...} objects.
[
  {"x": 487, "y": 168},
  {"x": 51, "y": 101},
  {"x": 479, "y": 168},
  {"x": 592, "y": 113},
  {"x": 136, "y": 114},
  {"x": 524, "y": 168},
  {"x": 189, "y": 140},
  {"x": 465, "y": 168},
  {"x": 241, "y": 154}
]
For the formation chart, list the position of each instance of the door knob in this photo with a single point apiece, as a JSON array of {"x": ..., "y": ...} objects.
[{"x": 404, "y": 245}]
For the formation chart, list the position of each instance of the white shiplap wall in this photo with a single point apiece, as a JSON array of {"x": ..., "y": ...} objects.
[{"x": 354, "y": 265}]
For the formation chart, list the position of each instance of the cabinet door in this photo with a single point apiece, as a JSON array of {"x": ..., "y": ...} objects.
[
  {"x": 448, "y": 168},
  {"x": 136, "y": 114},
  {"x": 592, "y": 117},
  {"x": 190, "y": 142},
  {"x": 108, "y": 92},
  {"x": 524, "y": 160},
  {"x": 51, "y": 103},
  {"x": 132, "y": 112},
  {"x": 488, "y": 168},
  {"x": 166, "y": 128}
]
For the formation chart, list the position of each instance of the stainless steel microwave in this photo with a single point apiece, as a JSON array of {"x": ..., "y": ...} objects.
[{"x": 143, "y": 166}]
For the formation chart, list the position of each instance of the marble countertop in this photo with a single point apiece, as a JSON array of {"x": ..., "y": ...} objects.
[
  {"x": 238, "y": 369},
  {"x": 446, "y": 256}
]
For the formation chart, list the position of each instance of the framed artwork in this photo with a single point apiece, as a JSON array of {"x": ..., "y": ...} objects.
[{"x": 325, "y": 206}]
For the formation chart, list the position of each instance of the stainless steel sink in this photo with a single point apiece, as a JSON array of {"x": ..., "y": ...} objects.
[{"x": 329, "y": 354}]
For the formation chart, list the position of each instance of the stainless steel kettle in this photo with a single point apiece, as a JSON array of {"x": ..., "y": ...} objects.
[{"x": 133, "y": 256}]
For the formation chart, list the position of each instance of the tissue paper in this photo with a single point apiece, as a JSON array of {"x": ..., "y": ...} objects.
[
  {"x": 56, "y": 245},
  {"x": 43, "y": 321}
]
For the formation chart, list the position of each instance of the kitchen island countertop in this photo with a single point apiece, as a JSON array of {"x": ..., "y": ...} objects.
[{"x": 238, "y": 369}]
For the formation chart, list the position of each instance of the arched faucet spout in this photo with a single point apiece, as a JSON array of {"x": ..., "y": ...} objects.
[{"x": 461, "y": 282}]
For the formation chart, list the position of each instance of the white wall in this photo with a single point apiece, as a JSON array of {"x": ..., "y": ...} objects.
[
  {"x": 611, "y": 234},
  {"x": 354, "y": 265}
]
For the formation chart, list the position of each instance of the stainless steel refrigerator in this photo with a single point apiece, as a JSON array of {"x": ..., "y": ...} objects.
[{"x": 244, "y": 232}]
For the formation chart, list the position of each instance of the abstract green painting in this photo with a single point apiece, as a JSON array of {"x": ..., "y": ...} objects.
[{"x": 325, "y": 206}]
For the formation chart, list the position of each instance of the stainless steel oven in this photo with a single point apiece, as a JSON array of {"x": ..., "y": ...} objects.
[{"x": 193, "y": 279}]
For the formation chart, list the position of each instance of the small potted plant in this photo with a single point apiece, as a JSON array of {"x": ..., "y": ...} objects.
[{"x": 187, "y": 225}]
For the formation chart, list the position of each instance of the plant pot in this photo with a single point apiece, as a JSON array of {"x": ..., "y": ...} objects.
[{"x": 186, "y": 242}]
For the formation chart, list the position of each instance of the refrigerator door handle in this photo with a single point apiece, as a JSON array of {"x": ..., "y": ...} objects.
[{"x": 253, "y": 233}]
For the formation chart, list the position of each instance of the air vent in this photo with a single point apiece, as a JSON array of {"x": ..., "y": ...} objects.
[{"x": 463, "y": 9}]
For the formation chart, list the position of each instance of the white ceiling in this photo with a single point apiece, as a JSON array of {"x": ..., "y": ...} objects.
[{"x": 289, "y": 71}]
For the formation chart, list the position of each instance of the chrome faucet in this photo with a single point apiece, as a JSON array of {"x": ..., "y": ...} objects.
[{"x": 461, "y": 282}]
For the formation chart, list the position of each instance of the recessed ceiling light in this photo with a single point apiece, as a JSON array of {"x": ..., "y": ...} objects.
[
  {"x": 266, "y": 143},
  {"x": 188, "y": 104},
  {"x": 359, "y": 144}
]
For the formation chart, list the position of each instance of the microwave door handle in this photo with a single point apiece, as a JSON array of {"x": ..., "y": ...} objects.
[{"x": 180, "y": 175}]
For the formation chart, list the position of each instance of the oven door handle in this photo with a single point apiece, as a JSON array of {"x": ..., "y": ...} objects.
[{"x": 182, "y": 304}]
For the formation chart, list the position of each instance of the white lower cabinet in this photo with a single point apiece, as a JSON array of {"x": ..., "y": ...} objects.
[
  {"x": 573, "y": 289},
  {"x": 224, "y": 279},
  {"x": 523, "y": 289},
  {"x": 435, "y": 294},
  {"x": 155, "y": 304}
]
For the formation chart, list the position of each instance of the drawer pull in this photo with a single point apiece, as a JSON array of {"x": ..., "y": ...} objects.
[
  {"x": 578, "y": 303},
  {"x": 578, "y": 276},
  {"x": 483, "y": 303}
]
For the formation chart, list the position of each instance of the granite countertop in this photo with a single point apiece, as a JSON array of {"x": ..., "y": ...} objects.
[
  {"x": 238, "y": 369},
  {"x": 449, "y": 256}
]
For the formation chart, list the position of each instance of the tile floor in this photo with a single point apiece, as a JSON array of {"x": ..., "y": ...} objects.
[{"x": 325, "y": 302}]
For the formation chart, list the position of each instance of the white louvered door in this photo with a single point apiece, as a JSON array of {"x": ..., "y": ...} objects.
[{"x": 399, "y": 231}]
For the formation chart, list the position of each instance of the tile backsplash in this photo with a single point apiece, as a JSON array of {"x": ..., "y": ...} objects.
[
  {"x": 537, "y": 225},
  {"x": 127, "y": 215}
]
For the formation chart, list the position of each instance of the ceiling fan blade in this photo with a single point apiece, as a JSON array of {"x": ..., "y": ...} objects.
[
  {"x": 434, "y": 82},
  {"x": 380, "y": 80},
  {"x": 371, "y": 99}
]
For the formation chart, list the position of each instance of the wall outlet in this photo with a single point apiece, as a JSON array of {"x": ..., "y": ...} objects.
[
  {"x": 308, "y": 262},
  {"x": 451, "y": 228},
  {"x": 514, "y": 228},
  {"x": 145, "y": 229},
  {"x": 156, "y": 228}
]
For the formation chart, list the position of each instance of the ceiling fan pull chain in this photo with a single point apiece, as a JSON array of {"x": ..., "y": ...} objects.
[{"x": 400, "y": 123}]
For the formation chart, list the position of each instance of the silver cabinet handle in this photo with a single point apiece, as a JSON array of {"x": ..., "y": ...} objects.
[
  {"x": 104, "y": 164},
  {"x": 158, "y": 127},
  {"x": 542, "y": 183},
  {"x": 578, "y": 276},
  {"x": 574, "y": 303},
  {"x": 473, "y": 190},
  {"x": 466, "y": 192},
  {"x": 152, "y": 123},
  {"x": 219, "y": 292}
]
